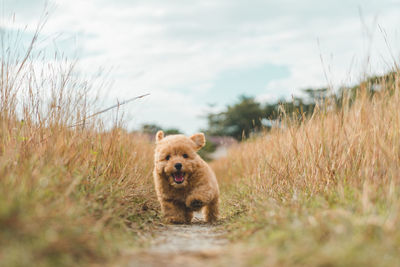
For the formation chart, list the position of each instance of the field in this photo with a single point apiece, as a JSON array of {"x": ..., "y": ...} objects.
[
  {"x": 320, "y": 191},
  {"x": 68, "y": 195}
]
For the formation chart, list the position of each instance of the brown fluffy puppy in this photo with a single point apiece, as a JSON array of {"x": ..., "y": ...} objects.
[{"x": 184, "y": 182}]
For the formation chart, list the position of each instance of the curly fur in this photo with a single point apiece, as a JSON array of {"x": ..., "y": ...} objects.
[{"x": 199, "y": 189}]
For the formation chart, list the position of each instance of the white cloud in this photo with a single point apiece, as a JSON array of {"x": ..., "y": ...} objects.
[{"x": 175, "y": 50}]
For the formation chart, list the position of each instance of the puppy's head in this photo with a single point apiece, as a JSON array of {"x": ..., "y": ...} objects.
[{"x": 176, "y": 157}]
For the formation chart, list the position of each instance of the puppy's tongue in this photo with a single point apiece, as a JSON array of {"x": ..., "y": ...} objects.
[{"x": 178, "y": 177}]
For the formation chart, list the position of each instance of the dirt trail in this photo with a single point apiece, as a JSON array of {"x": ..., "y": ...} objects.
[{"x": 197, "y": 244}]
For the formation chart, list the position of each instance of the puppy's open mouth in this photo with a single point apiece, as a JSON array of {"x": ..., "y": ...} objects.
[{"x": 179, "y": 177}]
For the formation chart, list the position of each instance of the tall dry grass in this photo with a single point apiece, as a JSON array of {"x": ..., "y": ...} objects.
[
  {"x": 67, "y": 194},
  {"x": 322, "y": 192}
]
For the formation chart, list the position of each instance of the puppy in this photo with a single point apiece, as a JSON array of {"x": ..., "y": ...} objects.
[{"x": 183, "y": 180}]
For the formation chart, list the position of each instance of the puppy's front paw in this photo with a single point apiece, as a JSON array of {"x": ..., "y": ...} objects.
[{"x": 196, "y": 204}]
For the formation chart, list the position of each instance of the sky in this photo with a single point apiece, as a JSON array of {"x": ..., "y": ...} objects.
[{"x": 199, "y": 56}]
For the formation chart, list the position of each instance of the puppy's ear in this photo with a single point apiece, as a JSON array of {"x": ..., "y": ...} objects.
[
  {"x": 159, "y": 136},
  {"x": 199, "y": 140}
]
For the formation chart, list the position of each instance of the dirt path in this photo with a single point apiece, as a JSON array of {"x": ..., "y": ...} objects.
[{"x": 197, "y": 244}]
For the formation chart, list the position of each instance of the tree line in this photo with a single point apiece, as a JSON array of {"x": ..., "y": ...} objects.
[{"x": 248, "y": 116}]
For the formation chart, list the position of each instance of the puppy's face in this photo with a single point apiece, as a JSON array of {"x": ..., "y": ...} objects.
[{"x": 176, "y": 158}]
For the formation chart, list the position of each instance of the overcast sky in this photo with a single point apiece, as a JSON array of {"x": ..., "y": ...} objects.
[{"x": 190, "y": 54}]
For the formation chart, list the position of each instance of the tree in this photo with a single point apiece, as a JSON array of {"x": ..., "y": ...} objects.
[
  {"x": 154, "y": 128},
  {"x": 150, "y": 128},
  {"x": 249, "y": 116},
  {"x": 238, "y": 121},
  {"x": 170, "y": 131}
]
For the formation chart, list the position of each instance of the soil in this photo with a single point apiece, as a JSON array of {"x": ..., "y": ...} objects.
[{"x": 198, "y": 244}]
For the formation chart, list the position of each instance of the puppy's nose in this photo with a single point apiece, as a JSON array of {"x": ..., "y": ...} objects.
[{"x": 178, "y": 166}]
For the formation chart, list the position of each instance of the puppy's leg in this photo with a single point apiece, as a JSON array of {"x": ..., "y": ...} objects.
[
  {"x": 211, "y": 212},
  {"x": 199, "y": 198},
  {"x": 173, "y": 212},
  {"x": 188, "y": 216}
]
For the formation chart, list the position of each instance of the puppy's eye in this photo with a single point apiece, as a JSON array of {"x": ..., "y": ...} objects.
[
  {"x": 185, "y": 156},
  {"x": 168, "y": 157}
]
